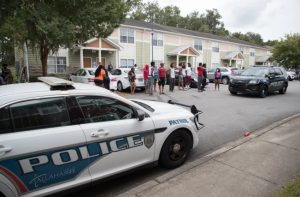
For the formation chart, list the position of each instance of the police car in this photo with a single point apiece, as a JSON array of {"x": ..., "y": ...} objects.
[
  {"x": 56, "y": 135},
  {"x": 260, "y": 80}
]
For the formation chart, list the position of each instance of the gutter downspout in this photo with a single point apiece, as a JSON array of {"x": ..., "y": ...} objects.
[
  {"x": 143, "y": 48},
  {"x": 207, "y": 53}
]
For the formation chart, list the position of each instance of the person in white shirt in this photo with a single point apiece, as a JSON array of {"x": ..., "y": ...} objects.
[{"x": 188, "y": 77}]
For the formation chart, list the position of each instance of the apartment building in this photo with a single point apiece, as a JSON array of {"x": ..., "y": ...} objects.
[{"x": 132, "y": 42}]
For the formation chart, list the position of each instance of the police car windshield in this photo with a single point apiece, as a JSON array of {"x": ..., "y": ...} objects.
[
  {"x": 145, "y": 106},
  {"x": 259, "y": 72}
]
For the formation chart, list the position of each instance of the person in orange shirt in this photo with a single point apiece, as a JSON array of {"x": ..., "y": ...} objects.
[{"x": 99, "y": 76}]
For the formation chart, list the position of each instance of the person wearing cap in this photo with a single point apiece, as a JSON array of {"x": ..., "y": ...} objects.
[{"x": 161, "y": 78}]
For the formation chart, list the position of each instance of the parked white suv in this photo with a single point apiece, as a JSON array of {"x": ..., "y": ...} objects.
[
  {"x": 225, "y": 71},
  {"x": 59, "y": 135}
]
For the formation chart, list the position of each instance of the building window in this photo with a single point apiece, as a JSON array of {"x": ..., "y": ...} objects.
[
  {"x": 215, "y": 47},
  {"x": 127, "y": 63},
  {"x": 215, "y": 65},
  {"x": 56, "y": 64},
  {"x": 198, "y": 45},
  {"x": 158, "y": 40},
  {"x": 252, "y": 52},
  {"x": 241, "y": 49},
  {"x": 127, "y": 36}
]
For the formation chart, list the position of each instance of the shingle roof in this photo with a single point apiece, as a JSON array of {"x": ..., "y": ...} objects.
[
  {"x": 154, "y": 26},
  {"x": 179, "y": 49},
  {"x": 230, "y": 55},
  {"x": 263, "y": 58}
]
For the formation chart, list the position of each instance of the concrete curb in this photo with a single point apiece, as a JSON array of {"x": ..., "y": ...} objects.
[{"x": 203, "y": 159}]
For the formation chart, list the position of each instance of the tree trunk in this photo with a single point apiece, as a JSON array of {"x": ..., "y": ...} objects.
[{"x": 44, "y": 51}]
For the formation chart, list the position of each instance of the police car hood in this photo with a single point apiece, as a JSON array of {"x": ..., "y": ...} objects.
[
  {"x": 163, "y": 108},
  {"x": 245, "y": 78}
]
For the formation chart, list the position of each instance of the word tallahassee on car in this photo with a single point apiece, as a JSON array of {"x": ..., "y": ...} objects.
[{"x": 180, "y": 121}]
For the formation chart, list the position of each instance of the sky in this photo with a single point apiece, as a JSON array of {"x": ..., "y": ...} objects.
[{"x": 272, "y": 19}]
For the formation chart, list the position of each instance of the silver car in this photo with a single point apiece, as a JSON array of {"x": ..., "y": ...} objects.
[{"x": 225, "y": 71}]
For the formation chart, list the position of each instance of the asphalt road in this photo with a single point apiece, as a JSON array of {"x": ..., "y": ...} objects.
[{"x": 226, "y": 117}]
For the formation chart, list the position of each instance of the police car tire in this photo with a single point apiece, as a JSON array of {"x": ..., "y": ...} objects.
[
  {"x": 263, "y": 94},
  {"x": 165, "y": 160},
  {"x": 283, "y": 90}
]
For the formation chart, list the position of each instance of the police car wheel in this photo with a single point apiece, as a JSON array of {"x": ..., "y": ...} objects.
[
  {"x": 176, "y": 149},
  {"x": 263, "y": 92},
  {"x": 283, "y": 90}
]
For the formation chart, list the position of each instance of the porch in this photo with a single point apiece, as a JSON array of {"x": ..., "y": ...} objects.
[
  {"x": 103, "y": 49},
  {"x": 186, "y": 54},
  {"x": 234, "y": 59}
]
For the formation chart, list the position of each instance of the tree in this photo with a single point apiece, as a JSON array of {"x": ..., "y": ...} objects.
[
  {"x": 287, "y": 51},
  {"x": 213, "y": 20},
  {"x": 51, "y": 24}
]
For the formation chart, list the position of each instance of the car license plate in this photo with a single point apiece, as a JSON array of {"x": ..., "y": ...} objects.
[{"x": 140, "y": 80}]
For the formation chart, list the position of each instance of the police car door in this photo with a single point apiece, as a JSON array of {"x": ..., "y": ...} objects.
[
  {"x": 272, "y": 80},
  {"x": 117, "y": 141},
  {"x": 279, "y": 79},
  {"x": 42, "y": 149}
]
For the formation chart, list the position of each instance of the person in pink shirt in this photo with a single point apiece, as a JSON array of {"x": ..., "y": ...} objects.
[
  {"x": 218, "y": 77},
  {"x": 146, "y": 71}
]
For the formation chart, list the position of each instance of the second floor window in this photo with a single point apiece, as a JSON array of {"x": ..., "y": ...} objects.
[
  {"x": 252, "y": 52},
  {"x": 127, "y": 36},
  {"x": 198, "y": 45},
  {"x": 215, "y": 47},
  {"x": 241, "y": 49},
  {"x": 158, "y": 40}
]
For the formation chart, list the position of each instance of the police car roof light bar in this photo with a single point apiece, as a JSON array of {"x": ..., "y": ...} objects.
[{"x": 57, "y": 83}]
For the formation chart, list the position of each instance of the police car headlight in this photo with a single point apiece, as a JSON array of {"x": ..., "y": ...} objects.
[{"x": 254, "y": 81}]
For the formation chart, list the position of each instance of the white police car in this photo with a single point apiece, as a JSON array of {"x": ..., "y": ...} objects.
[{"x": 58, "y": 135}]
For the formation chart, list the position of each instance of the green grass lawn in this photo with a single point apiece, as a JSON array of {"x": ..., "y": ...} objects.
[{"x": 292, "y": 189}]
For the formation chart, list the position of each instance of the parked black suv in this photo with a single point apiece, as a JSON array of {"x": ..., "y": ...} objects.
[{"x": 259, "y": 80}]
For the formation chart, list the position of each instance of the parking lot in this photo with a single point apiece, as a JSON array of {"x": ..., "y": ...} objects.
[{"x": 226, "y": 117}]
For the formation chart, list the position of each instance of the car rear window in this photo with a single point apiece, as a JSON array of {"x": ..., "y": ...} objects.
[
  {"x": 91, "y": 72},
  {"x": 144, "y": 106}
]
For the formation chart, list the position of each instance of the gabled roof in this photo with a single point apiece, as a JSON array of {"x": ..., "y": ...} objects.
[
  {"x": 158, "y": 27},
  {"x": 182, "y": 48},
  {"x": 231, "y": 55},
  {"x": 264, "y": 58},
  {"x": 109, "y": 41}
]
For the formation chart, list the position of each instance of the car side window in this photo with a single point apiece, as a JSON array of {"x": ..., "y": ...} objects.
[
  {"x": 5, "y": 121},
  {"x": 83, "y": 73},
  {"x": 278, "y": 71},
  {"x": 103, "y": 109},
  {"x": 78, "y": 72},
  {"x": 40, "y": 114},
  {"x": 272, "y": 71},
  {"x": 212, "y": 70}
]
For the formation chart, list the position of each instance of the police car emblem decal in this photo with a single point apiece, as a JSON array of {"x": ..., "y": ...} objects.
[
  {"x": 36, "y": 171},
  {"x": 149, "y": 139}
]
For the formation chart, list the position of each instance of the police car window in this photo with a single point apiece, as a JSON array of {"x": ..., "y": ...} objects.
[
  {"x": 5, "y": 121},
  {"x": 39, "y": 114},
  {"x": 261, "y": 72},
  {"x": 278, "y": 71},
  {"x": 145, "y": 106},
  {"x": 102, "y": 109}
]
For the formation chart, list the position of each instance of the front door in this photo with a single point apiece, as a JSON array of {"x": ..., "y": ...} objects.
[
  {"x": 116, "y": 139},
  {"x": 40, "y": 142},
  {"x": 87, "y": 62}
]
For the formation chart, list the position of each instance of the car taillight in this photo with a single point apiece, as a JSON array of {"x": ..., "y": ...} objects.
[
  {"x": 90, "y": 80},
  {"x": 113, "y": 79}
]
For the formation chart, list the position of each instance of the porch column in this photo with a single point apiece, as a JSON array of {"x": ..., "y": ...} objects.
[
  {"x": 195, "y": 61},
  {"x": 81, "y": 58},
  {"x": 117, "y": 59},
  {"x": 187, "y": 60},
  {"x": 99, "y": 56},
  {"x": 177, "y": 61},
  {"x": 230, "y": 63}
]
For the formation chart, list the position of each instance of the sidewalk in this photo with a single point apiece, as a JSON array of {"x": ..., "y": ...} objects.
[{"x": 258, "y": 165}]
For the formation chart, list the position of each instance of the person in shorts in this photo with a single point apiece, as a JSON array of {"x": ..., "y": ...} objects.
[
  {"x": 188, "y": 77},
  {"x": 180, "y": 77},
  {"x": 99, "y": 76},
  {"x": 218, "y": 77},
  {"x": 155, "y": 78},
  {"x": 161, "y": 78},
  {"x": 131, "y": 76}
]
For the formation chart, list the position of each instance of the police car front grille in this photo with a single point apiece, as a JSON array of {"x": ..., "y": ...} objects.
[{"x": 239, "y": 86}]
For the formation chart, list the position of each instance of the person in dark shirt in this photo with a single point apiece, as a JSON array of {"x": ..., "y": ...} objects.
[
  {"x": 110, "y": 67},
  {"x": 204, "y": 77},
  {"x": 6, "y": 73},
  {"x": 131, "y": 76}
]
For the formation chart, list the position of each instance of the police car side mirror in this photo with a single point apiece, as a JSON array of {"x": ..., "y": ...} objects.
[{"x": 140, "y": 114}]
